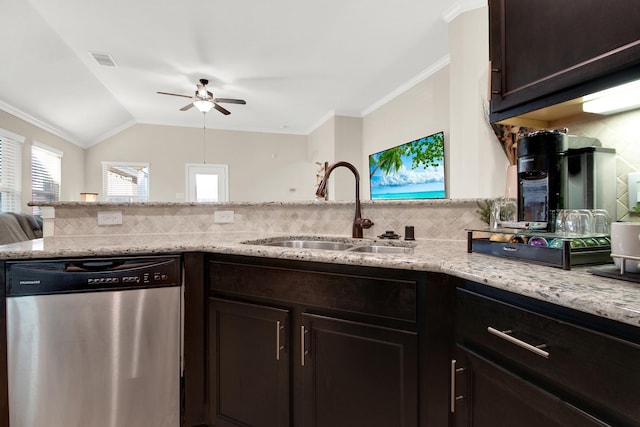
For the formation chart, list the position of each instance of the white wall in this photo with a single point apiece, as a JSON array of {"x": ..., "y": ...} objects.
[
  {"x": 281, "y": 167},
  {"x": 477, "y": 165},
  {"x": 339, "y": 139},
  {"x": 452, "y": 99},
  {"x": 321, "y": 148},
  {"x": 349, "y": 149},
  {"x": 72, "y": 179},
  {"x": 420, "y": 111},
  {"x": 262, "y": 166}
]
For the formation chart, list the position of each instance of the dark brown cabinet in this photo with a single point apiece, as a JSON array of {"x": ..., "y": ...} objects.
[
  {"x": 543, "y": 52},
  {"x": 491, "y": 396},
  {"x": 357, "y": 374},
  {"x": 523, "y": 362},
  {"x": 303, "y": 344},
  {"x": 249, "y": 352}
]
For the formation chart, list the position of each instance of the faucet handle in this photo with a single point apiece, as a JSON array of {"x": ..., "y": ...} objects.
[{"x": 364, "y": 222}]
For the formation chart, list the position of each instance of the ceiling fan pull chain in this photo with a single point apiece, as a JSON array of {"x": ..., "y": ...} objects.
[{"x": 204, "y": 138}]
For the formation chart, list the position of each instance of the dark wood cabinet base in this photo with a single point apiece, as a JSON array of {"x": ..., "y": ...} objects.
[
  {"x": 358, "y": 374},
  {"x": 358, "y": 346}
]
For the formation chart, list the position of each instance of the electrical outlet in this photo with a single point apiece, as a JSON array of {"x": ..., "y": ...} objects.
[
  {"x": 223, "y": 217},
  {"x": 633, "y": 188},
  {"x": 110, "y": 218}
]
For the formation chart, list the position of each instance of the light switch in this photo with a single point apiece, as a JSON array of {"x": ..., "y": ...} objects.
[
  {"x": 110, "y": 218},
  {"x": 223, "y": 217},
  {"x": 633, "y": 183}
]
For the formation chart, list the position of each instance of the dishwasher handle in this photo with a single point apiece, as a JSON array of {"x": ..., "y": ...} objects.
[{"x": 105, "y": 265}]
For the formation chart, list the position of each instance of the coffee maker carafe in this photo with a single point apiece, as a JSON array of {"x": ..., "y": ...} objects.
[{"x": 560, "y": 171}]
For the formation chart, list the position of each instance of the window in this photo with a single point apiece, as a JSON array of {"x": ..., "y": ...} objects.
[
  {"x": 46, "y": 167},
  {"x": 10, "y": 171},
  {"x": 207, "y": 183},
  {"x": 125, "y": 182}
]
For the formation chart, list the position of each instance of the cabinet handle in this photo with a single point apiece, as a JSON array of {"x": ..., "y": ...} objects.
[
  {"x": 537, "y": 349},
  {"x": 279, "y": 347},
  {"x": 303, "y": 352},
  {"x": 491, "y": 91},
  {"x": 454, "y": 398}
]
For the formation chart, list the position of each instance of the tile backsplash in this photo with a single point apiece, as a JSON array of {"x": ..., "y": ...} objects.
[
  {"x": 622, "y": 132},
  {"x": 439, "y": 219}
]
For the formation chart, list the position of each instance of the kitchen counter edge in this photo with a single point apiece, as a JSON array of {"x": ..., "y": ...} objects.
[{"x": 576, "y": 289}]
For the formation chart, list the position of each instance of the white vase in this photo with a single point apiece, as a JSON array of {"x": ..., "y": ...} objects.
[{"x": 511, "y": 185}]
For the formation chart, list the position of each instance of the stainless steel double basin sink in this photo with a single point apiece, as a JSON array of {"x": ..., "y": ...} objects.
[{"x": 359, "y": 246}]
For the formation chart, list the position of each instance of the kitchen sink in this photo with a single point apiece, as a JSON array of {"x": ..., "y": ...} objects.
[
  {"x": 312, "y": 244},
  {"x": 380, "y": 249},
  {"x": 357, "y": 246}
]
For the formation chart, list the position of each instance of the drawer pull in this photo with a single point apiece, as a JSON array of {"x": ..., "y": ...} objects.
[
  {"x": 303, "y": 351},
  {"x": 454, "y": 396},
  {"x": 505, "y": 335},
  {"x": 278, "y": 346}
]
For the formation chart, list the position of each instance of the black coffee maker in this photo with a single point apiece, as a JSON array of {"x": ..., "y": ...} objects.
[{"x": 560, "y": 171}]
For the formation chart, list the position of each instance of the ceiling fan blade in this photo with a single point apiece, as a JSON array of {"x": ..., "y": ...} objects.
[
  {"x": 186, "y": 107},
  {"x": 231, "y": 101},
  {"x": 222, "y": 110},
  {"x": 175, "y": 94}
]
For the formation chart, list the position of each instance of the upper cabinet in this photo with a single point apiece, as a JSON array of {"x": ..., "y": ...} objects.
[{"x": 544, "y": 52}]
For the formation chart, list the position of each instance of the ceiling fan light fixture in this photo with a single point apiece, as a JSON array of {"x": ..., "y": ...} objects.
[
  {"x": 204, "y": 101},
  {"x": 203, "y": 105}
]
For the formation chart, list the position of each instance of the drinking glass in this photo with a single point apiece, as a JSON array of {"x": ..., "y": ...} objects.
[
  {"x": 503, "y": 210},
  {"x": 601, "y": 222},
  {"x": 578, "y": 222},
  {"x": 570, "y": 227},
  {"x": 586, "y": 217},
  {"x": 559, "y": 219},
  {"x": 495, "y": 214}
]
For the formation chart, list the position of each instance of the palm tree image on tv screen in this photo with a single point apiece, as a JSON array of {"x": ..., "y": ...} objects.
[{"x": 414, "y": 170}]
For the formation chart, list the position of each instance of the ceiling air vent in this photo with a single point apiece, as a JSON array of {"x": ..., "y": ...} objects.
[{"x": 104, "y": 59}]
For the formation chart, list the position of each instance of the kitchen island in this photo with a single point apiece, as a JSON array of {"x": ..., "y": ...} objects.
[
  {"x": 576, "y": 289},
  {"x": 431, "y": 305}
]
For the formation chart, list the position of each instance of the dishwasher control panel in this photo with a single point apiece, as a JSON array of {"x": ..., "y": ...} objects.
[
  {"x": 146, "y": 278},
  {"x": 91, "y": 274}
]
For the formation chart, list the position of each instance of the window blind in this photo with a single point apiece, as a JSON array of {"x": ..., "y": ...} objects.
[
  {"x": 10, "y": 174},
  {"x": 125, "y": 182},
  {"x": 46, "y": 167}
]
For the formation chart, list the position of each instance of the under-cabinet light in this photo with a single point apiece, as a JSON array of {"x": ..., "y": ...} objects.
[{"x": 615, "y": 100}]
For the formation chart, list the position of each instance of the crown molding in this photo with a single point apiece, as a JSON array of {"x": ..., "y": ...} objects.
[
  {"x": 112, "y": 132},
  {"x": 435, "y": 67},
  {"x": 39, "y": 123},
  {"x": 461, "y": 7}
]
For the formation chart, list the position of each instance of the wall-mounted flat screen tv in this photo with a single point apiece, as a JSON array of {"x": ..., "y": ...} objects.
[{"x": 413, "y": 170}]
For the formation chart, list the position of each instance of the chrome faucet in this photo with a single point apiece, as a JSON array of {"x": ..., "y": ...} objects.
[{"x": 358, "y": 222}]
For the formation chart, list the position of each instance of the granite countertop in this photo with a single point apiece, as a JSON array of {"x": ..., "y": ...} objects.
[{"x": 614, "y": 299}]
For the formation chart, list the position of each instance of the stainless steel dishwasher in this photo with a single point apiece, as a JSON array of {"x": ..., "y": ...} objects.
[{"x": 94, "y": 342}]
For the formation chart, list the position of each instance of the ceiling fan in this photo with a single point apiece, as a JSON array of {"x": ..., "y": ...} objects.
[{"x": 203, "y": 100}]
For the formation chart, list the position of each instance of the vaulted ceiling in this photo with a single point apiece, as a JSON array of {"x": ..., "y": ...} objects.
[{"x": 295, "y": 62}]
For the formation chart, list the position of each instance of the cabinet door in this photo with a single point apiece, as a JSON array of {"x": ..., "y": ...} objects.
[
  {"x": 542, "y": 47},
  {"x": 357, "y": 374},
  {"x": 248, "y": 365},
  {"x": 487, "y": 395}
]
